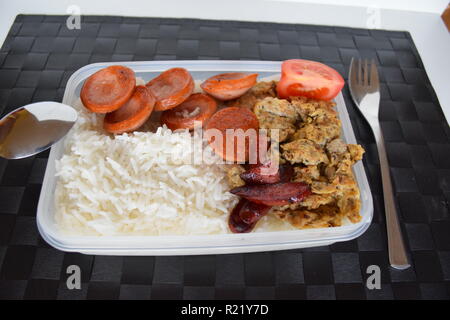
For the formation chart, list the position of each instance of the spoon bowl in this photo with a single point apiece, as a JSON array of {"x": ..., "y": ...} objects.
[{"x": 34, "y": 128}]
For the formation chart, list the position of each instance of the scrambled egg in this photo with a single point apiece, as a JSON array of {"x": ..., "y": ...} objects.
[
  {"x": 259, "y": 91},
  {"x": 303, "y": 151},
  {"x": 309, "y": 133},
  {"x": 273, "y": 113},
  {"x": 233, "y": 176}
]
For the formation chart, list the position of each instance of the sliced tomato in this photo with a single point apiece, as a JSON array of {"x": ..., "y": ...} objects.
[
  {"x": 108, "y": 89},
  {"x": 231, "y": 131},
  {"x": 309, "y": 79},
  {"x": 227, "y": 86},
  {"x": 198, "y": 107},
  {"x": 132, "y": 114},
  {"x": 171, "y": 88}
]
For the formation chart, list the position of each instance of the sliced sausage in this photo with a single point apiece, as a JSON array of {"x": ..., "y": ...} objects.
[
  {"x": 241, "y": 124},
  {"x": 108, "y": 89},
  {"x": 228, "y": 86},
  {"x": 132, "y": 114},
  {"x": 198, "y": 107},
  {"x": 171, "y": 88}
]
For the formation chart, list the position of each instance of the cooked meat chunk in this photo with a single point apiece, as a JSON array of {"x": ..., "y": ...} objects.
[
  {"x": 319, "y": 133},
  {"x": 344, "y": 168},
  {"x": 336, "y": 146},
  {"x": 275, "y": 106},
  {"x": 306, "y": 174},
  {"x": 339, "y": 150},
  {"x": 349, "y": 204},
  {"x": 303, "y": 151},
  {"x": 314, "y": 110},
  {"x": 341, "y": 162},
  {"x": 329, "y": 172},
  {"x": 314, "y": 201},
  {"x": 319, "y": 120},
  {"x": 356, "y": 152},
  {"x": 257, "y": 92},
  {"x": 284, "y": 125},
  {"x": 319, "y": 187},
  {"x": 323, "y": 217},
  {"x": 233, "y": 176},
  {"x": 264, "y": 88},
  {"x": 273, "y": 113}
]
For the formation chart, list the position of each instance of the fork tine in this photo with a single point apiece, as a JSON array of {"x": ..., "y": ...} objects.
[
  {"x": 352, "y": 72},
  {"x": 359, "y": 79},
  {"x": 366, "y": 73},
  {"x": 374, "y": 80}
]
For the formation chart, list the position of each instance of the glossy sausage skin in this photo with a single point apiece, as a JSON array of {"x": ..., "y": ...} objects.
[
  {"x": 133, "y": 114},
  {"x": 228, "y": 86},
  {"x": 171, "y": 88},
  {"x": 278, "y": 194},
  {"x": 256, "y": 174},
  {"x": 245, "y": 215},
  {"x": 108, "y": 89}
]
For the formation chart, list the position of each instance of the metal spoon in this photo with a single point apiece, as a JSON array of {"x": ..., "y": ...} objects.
[{"x": 34, "y": 128}]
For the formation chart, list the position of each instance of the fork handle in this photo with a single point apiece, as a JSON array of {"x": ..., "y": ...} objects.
[{"x": 397, "y": 253}]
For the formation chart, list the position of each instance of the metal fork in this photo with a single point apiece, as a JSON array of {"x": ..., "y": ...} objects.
[{"x": 365, "y": 90}]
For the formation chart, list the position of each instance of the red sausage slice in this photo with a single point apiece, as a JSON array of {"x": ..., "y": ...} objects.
[
  {"x": 245, "y": 215},
  {"x": 256, "y": 175},
  {"x": 234, "y": 145},
  {"x": 227, "y": 86},
  {"x": 133, "y": 114},
  {"x": 278, "y": 194},
  {"x": 108, "y": 89},
  {"x": 198, "y": 107},
  {"x": 171, "y": 88}
]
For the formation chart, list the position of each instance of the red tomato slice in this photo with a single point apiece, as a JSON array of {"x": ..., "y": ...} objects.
[
  {"x": 198, "y": 107},
  {"x": 108, "y": 89},
  {"x": 132, "y": 114},
  {"x": 309, "y": 79},
  {"x": 171, "y": 88},
  {"x": 227, "y": 86}
]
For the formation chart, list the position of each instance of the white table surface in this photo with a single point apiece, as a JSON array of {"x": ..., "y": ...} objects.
[{"x": 421, "y": 18}]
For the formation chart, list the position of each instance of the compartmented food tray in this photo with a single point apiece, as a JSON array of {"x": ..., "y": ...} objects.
[{"x": 194, "y": 244}]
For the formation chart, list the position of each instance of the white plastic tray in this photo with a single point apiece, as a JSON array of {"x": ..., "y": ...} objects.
[{"x": 201, "y": 244}]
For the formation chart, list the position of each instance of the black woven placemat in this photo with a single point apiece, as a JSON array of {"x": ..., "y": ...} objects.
[{"x": 40, "y": 53}]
